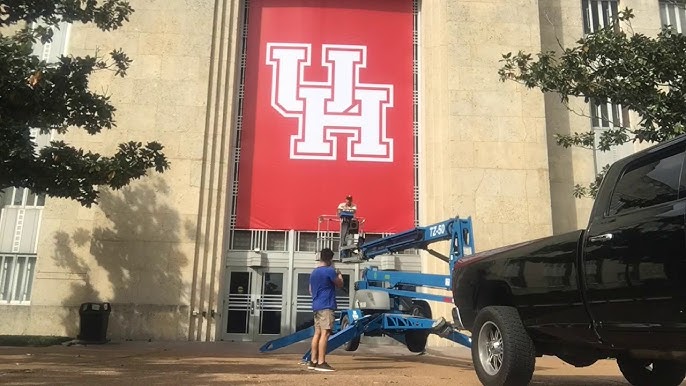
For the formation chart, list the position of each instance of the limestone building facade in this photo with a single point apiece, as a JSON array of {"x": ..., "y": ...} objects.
[{"x": 167, "y": 251}]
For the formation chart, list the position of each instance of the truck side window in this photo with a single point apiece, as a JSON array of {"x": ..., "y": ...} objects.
[{"x": 649, "y": 181}]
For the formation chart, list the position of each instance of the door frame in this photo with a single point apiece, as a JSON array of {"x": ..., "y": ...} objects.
[{"x": 255, "y": 303}]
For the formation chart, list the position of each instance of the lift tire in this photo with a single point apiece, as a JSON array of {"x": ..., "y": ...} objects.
[
  {"x": 663, "y": 373},
  {"x": 416, "y": 340},
  {"x": 353, "y": 344},
  {"x": 499, "y": 330}
]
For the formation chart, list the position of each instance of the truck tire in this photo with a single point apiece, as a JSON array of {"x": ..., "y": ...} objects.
[
  {"x": 415, "y": 340},
  {"x": 354, "y": 343},
  {"x": 663, "y": 372},
  {"x": 502, "y": 351}
]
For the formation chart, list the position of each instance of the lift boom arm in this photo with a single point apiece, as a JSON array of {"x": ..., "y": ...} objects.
[{"x": 457, "y": 230}]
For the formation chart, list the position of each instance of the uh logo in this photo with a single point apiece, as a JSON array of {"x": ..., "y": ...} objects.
[{"x": 339, "y": 105}]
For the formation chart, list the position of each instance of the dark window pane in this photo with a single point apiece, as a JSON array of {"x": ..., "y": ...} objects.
[
  {"x": 7, "y": 196},
  {"x": 672, "y": 16},
  {"x": 584, "y": 12},
  {"x": 271, "y": 322},
  {"x": 241, "y": 240},
  {"x": 304, "y": 284},
  {"x": 303, "y": 320},
  {"x": 307, "y": 242},
  {"x": 606, "y": 13},
  {"x": 239, "y": 303},
  {"x": 29, "y": 277},
  {"x": 649, "y": 182},
  {"x": 664, "y": 19},
  {"x": 18, "y": 196},
  {"x": 31, "y": 199},
  {"x": 239, "y": 283},
  {"x": 273, "y": 284},
  {"x": 615, "y": 9},
  {"x": 276, "y": 241},
  {"x": 271, "y": 303},
  {"x": 594, "y": 15},
  {"x": 345, "y": 290}
]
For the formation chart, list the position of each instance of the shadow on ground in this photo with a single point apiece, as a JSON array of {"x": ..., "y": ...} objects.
[{"x": 240, "y": 363}]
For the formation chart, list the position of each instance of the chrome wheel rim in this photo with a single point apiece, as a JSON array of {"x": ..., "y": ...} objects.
[{"x": 490, "y": 346}]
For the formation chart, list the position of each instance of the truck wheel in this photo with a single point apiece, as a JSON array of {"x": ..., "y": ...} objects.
[
  {"x": 415, "y": 340},
  {"x": 502, "y": 351},
  {"x": 353, "y": 344},
  {"x": 648, "y": 372}
]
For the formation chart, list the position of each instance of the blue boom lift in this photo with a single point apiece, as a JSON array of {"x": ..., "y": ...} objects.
[{"x": 384, "y": 305}]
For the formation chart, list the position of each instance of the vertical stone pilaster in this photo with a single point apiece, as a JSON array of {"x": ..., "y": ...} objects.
[
  {"x": 208, "y": 261},
  {"x": 484, "y": 150}
]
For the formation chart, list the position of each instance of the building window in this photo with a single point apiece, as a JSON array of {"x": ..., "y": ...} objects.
[
  {"x": 598, "y": 14},
  {"x": 606, "y": 116},
  {"x": 307, "y": 242},
  {"x": 21, "y": 209},
  {"x": 21, "y": 197},
  {"x": 249, "y": 240},
  {"x": 16, "y": 278},
  {"x": 673, "y": 14}
]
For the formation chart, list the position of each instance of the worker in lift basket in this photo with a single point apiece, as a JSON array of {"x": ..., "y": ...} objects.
[
  {"x": 323, "y": 283},
  {"x": 347, "y": 207}
]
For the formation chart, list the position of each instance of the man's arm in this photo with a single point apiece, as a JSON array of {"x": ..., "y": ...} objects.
[{"x": 338, "y": 281}]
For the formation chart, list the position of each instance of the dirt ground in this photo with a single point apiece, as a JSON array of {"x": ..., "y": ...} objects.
[{"x": 182, "y": 363}]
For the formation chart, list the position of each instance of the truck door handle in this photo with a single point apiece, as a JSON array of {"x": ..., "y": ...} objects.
[{"x": 603, "y": 237}]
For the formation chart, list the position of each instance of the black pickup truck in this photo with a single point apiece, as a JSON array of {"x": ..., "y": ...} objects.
[{"x": 616, "y": 289}]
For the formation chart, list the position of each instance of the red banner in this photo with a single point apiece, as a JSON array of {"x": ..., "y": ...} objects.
[{"x": 327, "y": 112}]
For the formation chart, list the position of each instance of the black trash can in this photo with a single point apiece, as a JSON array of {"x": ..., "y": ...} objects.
[{"x": 94, "y": 318}]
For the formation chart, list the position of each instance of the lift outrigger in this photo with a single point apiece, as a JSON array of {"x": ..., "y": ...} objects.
[{"x": 386, "y": 302}]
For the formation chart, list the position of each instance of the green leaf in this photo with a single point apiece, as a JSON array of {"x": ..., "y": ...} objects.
[
  {"x": 56, "y": 96},
  {"x": 643, "y": 74}
]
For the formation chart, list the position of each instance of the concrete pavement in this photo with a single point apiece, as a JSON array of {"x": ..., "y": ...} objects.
[{"x": 188, "y": 363}]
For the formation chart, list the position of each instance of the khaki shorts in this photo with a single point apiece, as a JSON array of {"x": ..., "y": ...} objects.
[{"x": 324, "y": 319}]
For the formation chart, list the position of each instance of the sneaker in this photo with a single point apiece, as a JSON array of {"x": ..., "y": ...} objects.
[
  {"x": 323, "y": 367},
  {"x": 311, "y": 365}
]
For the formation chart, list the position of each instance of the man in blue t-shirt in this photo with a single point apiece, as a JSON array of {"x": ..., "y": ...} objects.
[{"x": 323, "y": 283}]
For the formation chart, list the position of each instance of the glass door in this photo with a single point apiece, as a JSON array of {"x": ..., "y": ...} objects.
[
  {"x": 302, "y": 300},
  {"x": 270, "y": 305},
  {"x": 254, "y": 304},
  {"x": 239, "y": 306}
]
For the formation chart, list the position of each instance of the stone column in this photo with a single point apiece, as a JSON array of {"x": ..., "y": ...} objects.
[{"x": 483, "y": 151}]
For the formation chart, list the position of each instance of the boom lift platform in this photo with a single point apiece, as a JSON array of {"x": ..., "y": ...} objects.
[{"x": 386, "y": 302}]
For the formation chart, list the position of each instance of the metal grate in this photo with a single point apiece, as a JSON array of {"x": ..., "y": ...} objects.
[
  {"x": 239, "y": 121},
  {"x": 306, "y": 242},
  {"x": 598, "y": 14},
  {"x": 606, "y": 116},
  {"x": 16, "y": 278},
  {"x": 264, "y": 240},
  {"x": 415, "y": 102}
]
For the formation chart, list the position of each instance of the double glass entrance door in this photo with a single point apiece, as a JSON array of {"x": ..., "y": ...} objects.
[{"x": 255, "y": 304}]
